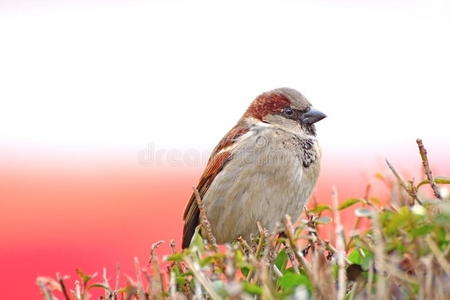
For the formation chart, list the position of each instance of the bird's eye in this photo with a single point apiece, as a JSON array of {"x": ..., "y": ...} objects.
[{"x": 288, "y": 112}]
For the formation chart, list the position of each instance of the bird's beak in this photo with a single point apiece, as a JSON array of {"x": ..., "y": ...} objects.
[{"x": 312, "y": 116}]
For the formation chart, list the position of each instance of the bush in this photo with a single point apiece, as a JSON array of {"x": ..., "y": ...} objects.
[{"x": 401, "y": 252}]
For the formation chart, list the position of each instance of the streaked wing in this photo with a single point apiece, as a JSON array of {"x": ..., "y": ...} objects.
[{"x": 217, "y": 161}]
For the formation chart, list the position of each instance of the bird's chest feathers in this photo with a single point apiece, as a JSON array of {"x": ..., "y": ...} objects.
[
  {"x": 271, "y": 172},
  {"x": 288, "y": 145},
  {"x": 306, "y": 149}
]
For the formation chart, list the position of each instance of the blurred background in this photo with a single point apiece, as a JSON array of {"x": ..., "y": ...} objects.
[{"x": 109, "y": 110}]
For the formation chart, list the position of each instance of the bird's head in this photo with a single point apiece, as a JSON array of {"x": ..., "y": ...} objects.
[{"x": 286, "y": 108}]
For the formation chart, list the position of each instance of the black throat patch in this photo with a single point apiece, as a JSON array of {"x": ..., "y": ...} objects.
[{"x": 308, "y": 155}]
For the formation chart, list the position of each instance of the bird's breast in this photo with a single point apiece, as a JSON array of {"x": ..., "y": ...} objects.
[{"x": 271, "y": 173}]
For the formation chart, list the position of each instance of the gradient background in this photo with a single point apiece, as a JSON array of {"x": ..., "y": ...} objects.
[{"x": 109, "y": 110}]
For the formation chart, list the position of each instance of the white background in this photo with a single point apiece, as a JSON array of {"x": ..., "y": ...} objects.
[{"x": 89, "y": 76}]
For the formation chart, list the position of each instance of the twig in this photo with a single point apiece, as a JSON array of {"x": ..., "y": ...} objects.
[
  {"x": 230, "y": 268},
  {"x": 173, "y": 247},
  {"x": 438, "y": 254},
  {"x": 340, "y": 245},
  {"x": 379, "y": 259},
  {"x": 262, "y": 240},
  {"x": 116, "y": 284},
  {"x": 204, "y": 221},
  {"x": 42, "y": 282},
  {"x": 140, "y": 293},
  {"x": 267, "y": 293},
  {"x": 428, "y": 282},
  {"x": 172, "y": 285},
  {"x": 245, "y": 246},
  {"x": 259, "y": 247},
  {"x": 403, "y": 184},
  {"x": 77, "y": 292},
  {"x": 109, "y": 294},
  {"x": 204, "y": 281},
  {"x": 426, "y": 167},
  {"x": 157, "y": 273},
  {"x": 294, "y": 261},
  {"x": 63, "y": 286},
  {"x": 321, "y": 276},
  {"x": 370, "y": 277},
  {"x": 289, "y": 230}
]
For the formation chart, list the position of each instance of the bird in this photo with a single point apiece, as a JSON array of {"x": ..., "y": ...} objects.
[{"x": 265, "y": 167}]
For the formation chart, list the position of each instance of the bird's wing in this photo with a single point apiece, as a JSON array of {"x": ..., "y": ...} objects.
[{"x": 219, "y": 158}]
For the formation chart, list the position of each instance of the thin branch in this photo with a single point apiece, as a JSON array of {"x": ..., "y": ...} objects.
[
  {"x": 245, "y": 246},
  {"x": 139, "y": 283},
  {"x": 403, "y": 183},
  {"x": 172, "y": 285},
  {"x": 42, "y": 284},
  {"x": 204, "y": 221},
  {"x": 289, "y": 230},
  {"x": 158, "y": 275},
  {"x": 173, "y": 247},
  {"x": 204, "y": 281},
  {"x": 381, "y": 292},
  {"x": 438, "y": 254},
  {"x": 60, "y": 279},
  {"x": 426, "y": 167},
  {"x": 117, "y": 281},
  {"x": 340, "y": 245}
]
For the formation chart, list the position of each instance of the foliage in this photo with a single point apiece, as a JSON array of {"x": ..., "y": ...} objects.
[{"x": 402, "y": 252}]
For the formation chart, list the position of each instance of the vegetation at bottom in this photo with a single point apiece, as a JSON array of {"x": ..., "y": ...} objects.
[{"x": 397, "y": 249}]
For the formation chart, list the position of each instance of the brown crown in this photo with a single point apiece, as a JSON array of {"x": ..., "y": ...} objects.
[{"x": 266, "y": 104}]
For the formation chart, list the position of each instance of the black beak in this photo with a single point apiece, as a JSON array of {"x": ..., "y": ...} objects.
[{"x": 312, "y": 116}]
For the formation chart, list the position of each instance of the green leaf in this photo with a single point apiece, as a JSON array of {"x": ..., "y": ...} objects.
[
  {"x": 334, "y": 270},
  {"x": 181, "y": 280},
  {"x": 374, "y": 200},
  {"x": 400, "y": 220},
  {"x": 363, "y": 212},
  {"x": 319, "y": 209},
  {"x": 348, "y": 203},
  {"x": 99, "y": 285},
  {"x": 281, "y": 260},
  {"x": 355, "y": 257},
  {"x": 219, "y": 287},
  {"x": 438, "y": 180},
  {"x": 366, "y": 259},
  {"x": 442, "y": 220},
  {"x": 245, "y": 270},
  {"x": 175, "y": 257},
  {"x": 360, "y": 256},
  {"x": 84, "y": 277},
  {"x": 252, "y": 289},
  {"x": 323, "y": 220},
  {"x": 421, "y": 230},
  {"x": 216, "y": 258},
  {"x": 197, "y": 241},
  {"x": 291, "y": 280}
]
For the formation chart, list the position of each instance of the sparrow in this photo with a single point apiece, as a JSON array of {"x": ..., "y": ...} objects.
[{"x": 265, "y": 167}]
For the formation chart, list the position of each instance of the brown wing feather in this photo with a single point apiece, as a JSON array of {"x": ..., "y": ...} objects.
[{"x": 215, "y": 164}]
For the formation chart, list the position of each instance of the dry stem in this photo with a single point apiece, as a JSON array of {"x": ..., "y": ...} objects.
[
  {"x": 204, "y": 221},
  {"x": 403, "y": 183},
  {"x": 426, "y": 167},
  {"x": 340, "y": 247}
]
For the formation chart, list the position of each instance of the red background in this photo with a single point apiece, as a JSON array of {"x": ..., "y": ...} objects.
[{"x": 90, "y": 213}]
